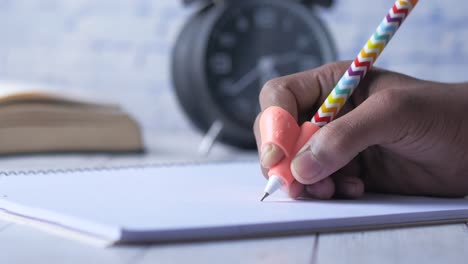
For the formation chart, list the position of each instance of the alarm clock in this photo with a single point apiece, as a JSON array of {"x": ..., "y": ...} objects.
[{"x": 228, "y": 50}]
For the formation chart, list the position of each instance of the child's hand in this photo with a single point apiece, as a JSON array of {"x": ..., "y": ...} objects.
[{"x": 396, "y": 134}]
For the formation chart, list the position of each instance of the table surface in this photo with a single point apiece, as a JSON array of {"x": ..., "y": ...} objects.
[{"x": 425, "y": 244}]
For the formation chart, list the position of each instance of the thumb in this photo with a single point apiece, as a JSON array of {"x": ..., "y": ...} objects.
[{"x": 375, "y": 121}]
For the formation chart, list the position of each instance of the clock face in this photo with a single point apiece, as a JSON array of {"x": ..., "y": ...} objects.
[{"x": 254, "y": 42}]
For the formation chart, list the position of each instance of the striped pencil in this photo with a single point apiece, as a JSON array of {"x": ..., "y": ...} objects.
[{"x": 363, "y": 62}]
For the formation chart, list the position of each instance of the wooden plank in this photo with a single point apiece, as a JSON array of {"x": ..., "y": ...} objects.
[
  {"x": 297, "y": 249},
  {"x": 22, "y": 244},
  {"x": 426, "y": 244}
]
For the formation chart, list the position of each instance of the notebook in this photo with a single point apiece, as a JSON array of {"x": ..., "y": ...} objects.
[
  {"x": 37, "y": 118},
  {"x": 196, "y": 201}
]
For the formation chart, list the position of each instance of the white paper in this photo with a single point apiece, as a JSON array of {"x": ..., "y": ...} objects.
[{"x": 198, "y": 202}]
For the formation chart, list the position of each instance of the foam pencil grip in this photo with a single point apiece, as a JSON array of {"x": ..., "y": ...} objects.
[{"x": 277, "y": 126}]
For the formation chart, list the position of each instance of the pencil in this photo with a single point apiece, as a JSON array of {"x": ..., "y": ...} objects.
[{"x": 363, "y": 62}]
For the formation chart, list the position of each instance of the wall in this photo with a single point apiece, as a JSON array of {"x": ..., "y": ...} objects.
[{"x": 120, "y": 49}]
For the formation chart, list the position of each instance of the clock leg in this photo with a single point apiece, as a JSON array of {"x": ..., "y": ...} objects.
[{"x": 210, "y": 138}]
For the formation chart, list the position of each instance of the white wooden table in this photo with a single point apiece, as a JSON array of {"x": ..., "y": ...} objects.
[{"x": 426, "y": 244}]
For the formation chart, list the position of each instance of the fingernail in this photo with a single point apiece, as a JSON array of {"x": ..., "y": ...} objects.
[
  {"x": 306, "y": 168},
  {"x": 270, "y": 155}
]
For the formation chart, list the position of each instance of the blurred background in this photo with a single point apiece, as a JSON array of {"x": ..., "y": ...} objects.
[{"x": 121, "y": 50}]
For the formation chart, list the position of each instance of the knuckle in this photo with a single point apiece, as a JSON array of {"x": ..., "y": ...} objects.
[
  {"x": 274, "y": 91},
  {"x": 334, "y": 69},
  {"x": 274, "y": 85},
  {"x": 395, "y": 101}
]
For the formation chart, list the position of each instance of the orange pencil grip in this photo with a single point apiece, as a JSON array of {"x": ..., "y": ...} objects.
[{"x": 277, "y": 126}]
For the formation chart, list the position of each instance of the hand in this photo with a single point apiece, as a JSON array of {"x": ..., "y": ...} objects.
[{"x": 396, "y": 134}]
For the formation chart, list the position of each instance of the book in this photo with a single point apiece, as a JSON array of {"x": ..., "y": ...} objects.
[
  {"x": 38, "y": 120},
  {"x": 196, "y": 202}
]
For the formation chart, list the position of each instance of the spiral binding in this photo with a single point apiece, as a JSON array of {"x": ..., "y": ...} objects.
[{"x": 117, "y": 167}]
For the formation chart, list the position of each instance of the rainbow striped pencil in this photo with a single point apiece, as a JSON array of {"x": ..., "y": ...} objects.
[{"x": 363, "y": 62}]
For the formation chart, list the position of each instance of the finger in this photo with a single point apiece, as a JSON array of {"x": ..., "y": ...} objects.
[
  {"x": 350, "y": 187},
  {"x": 348, "y": 183},
  {"x": 270, "y": 154},
  {"x": 377, "y": 120},
  {"x": 302, "y": 92},
  {"x": 345, "y": 183},
  {"x": 295, "y": 190},
  {"x": 323, "y": 190}
]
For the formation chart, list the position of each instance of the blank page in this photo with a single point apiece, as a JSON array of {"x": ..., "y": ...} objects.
[{"x": 198, "y": 202}]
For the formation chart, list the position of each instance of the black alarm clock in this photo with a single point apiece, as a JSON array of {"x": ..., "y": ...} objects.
[{"x": 229, "y": 49}]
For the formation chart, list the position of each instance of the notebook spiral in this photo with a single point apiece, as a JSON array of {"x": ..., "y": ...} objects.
[{"x": 115, "y": 167}]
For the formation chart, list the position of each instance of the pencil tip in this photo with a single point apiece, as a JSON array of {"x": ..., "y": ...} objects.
[{"x": 264, "y": 196}]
